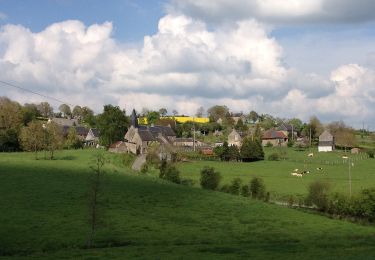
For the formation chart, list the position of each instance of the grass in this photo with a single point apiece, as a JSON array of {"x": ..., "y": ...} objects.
[
  {"x": 278, "y": 179},
  {"x": 44, "y": 214}
]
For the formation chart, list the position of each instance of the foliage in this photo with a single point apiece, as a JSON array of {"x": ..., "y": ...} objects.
[
  {"x": 241, "y": 126},
  {"x": 45, "y": 109},
  {"x": 54, "y": 138},
  {"x": 65, "y": 109},
  {"x": 77, "y": 112},
  {"x": 245, "y": 191},
  {"x": 251, "y": 150},
  {"x": 9, "y": 140},
  {"x": 370, "y": 153},
  {"x": 344, "y": 135},
  {"x": 318, "y": 194},
  {"x": 273, "y": 157},
  {"x": 200, "y": 112},
  {"x": 32, "y": 137},
  {"x": 30, "y": 112},
  {"x": 253, "y": 116},
  {"x": 112, "y": 125},
  {"x": 365, "y": 204},
  {"x": 152, "y": 117},
  {"x": 210, "y": 178},
  {"x": 169, "y": 172},
  {"x": 218, "y": 112},
  {"x": 235, "y": 186},
  {"x": 72, "y": 140},
  {"x": 163, "y": 111},
  {"x": 257, "y": 188}
]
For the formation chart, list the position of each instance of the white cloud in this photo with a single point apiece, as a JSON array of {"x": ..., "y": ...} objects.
[
  {"x": 276, "y": 11},
  {"x": 183, "y": 66}
]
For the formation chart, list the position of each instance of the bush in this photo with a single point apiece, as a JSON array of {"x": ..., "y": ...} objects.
[
  {"x": 340, "y": 205},
  {"x": 318, "y": 195},
  {"x": 274, "y": 157},
  {"x": 245, "y": 191},
  {"x": 365, "y": 204},
  {"x": 169, "y": 172},
  {"x": 187, "y": 182},
  {"x": 235, "y": 186},
  {"x": 209, "y": 178},
  {"x": 257, "y": 188},
  {"x": 370, "y": 153},
  {"x": 144, "y": 168},
  {"x": 225, "y": 188}
]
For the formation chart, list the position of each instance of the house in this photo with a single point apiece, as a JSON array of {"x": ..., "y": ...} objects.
[
  {"x": 92, "y": 137},
  {"x": 288, "y": 130},
  {"x": 274, "y": 138},
  {"x": 117, "y": 147},
  {"x": 187, "y": 142},
  {"x": 326, "y": 142},
  {"x": 80, "y": 130},
  {"x": 139, "y": 138},
  {"x": 235, "y": 138}
]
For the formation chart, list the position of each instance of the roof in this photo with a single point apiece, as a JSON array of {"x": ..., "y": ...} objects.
[
  {"x": 184, "y": 140},
  {"x": 65, "y": 121},
  {"x": 285, "y": 127},
  {"x": 81, "y": 130},
  {"x": 165, "y": 130},
  {"x": 95, "y": 132},
  {"x": 146, "y": 135},
  {"x": 326, "y": 137},
  {"x": 272, "y": 134},
  {"x": 326, "y": 143}
]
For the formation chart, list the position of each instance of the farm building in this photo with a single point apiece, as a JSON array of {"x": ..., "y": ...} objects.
[
  {"x": 274, "y": 138},
  {"x": 235, "y": 138},
  {"x": 326, "y": 142}
]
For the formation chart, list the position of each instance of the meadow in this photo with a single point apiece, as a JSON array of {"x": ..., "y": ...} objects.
[
  {"x": 277, "y": 174},
  {"x": 44, "y": 214}
]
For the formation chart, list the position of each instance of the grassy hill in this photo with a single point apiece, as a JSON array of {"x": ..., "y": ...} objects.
[
  {"x": 44, "y": 212},
  {"x": 276, "y": 174}
]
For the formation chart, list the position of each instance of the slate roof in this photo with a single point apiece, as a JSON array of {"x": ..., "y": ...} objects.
[
  {"x": 155, "y": 130},
  {"x": 65, "y": 121},
  {"x": 274, "y": 135},
  {"x": 95, "y": 132},
  {"x": 326, "y": 137},
  {"x": 146, "y": 135}
]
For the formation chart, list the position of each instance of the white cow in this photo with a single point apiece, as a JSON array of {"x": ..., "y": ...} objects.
[{"x": 310, "y": 155}]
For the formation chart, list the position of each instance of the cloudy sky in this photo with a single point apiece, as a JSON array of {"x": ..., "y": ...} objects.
[{"x": 289, "y": 58}]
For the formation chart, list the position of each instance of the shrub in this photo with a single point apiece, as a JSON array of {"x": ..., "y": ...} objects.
[
  {"x": 245, "y": 191},
  {"x": 251, "y": 150},
  {"x": 340, "y": 204},
  {"x": 365, "y": 204},
  {"x": 370, "y": 153},
  {"x": 257, "y": 188},
  {"x": 225, "y": 188},
  {"x": 318, "y": 195},
  {"x": 172, "y": 174},
  {"x": 273, "y": 157},
  {"x": 187, "y": 182},
  {"x": 235, "y": 186},
  {"x": 144, "y": 168},
  {"x": 209, "y": 178},
  {"x": 268, "y": 144}
]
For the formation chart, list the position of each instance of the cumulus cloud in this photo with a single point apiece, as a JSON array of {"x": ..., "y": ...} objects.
[
  {"x": 275, "y": 11},
  {"x": 183, "y": 66}
]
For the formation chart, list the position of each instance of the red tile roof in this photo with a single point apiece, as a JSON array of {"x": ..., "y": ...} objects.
[{"x": 272, "y": 134}]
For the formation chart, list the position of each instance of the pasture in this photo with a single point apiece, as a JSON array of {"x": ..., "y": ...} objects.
[
  {"x": 277, "y": 174},
  {"x": 44, "y": 212}
]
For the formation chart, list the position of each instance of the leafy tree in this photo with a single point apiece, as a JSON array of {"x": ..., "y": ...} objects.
[
  {"x": 112, "y": 125},
  {"x": 235, "y": 186},
  {"x": 30, "y": 112},
  {"x": 45, "y": 109},
  {"x": 344, "y": 135},
  {"x": 88, "y": 116},
  {"x": 72, "y": 140},
  {"x": 296, "y": 123},
  {"x": 268, "y": 121},
  {"x": 318, "y": 194},
  {"x": 217, "y": 112},
  {"x": 252, "y": 150},
  {"x": 32, "y": 137},
  {"x": 233, "y": 153},
  {"x": 152, "y": 117},
  {"x": 257, "y": 188},
  {"x": 241, "y": 126},
  {"x": 65, "y": 109},
  {"x": 253, "y": 116},
  {"x": 77, "y": 112},
  {"x": 163, "y": 111},
  {"x": 210, "y": 178},
  {"x": 314, "y": 127},
  {"x": 54, "y": 138},
  {"x": 11, "y": 116}
]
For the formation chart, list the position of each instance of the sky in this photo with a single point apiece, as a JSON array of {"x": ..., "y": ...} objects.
[{"x": 290, "y": 58}]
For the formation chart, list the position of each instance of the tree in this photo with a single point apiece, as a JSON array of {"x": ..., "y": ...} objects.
[
  {"x": 313, "y": 128},
  {"x": 88, "y": 116},
  {"x": 72, "y": 140},
  {"x": 11, "y": 120},
  {"x": 175, "y": 112},
  {"x": 267, "y": 121},
  {"x": 163, "y": 111},
  {"x": 32, "y": 137},
  {"x": 253, "y": 116},
  {"x": 241, "y": 126},
  {"x": 112, "y": 125},
  {"x": 65, "y": 109},
  {"x": 210, "y": 178},
  {"x": 319, "y": 194},
  {"x": 54, "y": 138},
  {"x": 217, "y": 112},
  {"x": 199, "y": 112},
  {"x": 45, "y": 109},
  {"x": 152, "y": 117},
  {"x": 77, "y": 112},
  {"x": 252, "y": 150},
  {"x": 344, "y": 135},
  {"x": 30, "y": 112},
  {"x": 257, "y": 188}
]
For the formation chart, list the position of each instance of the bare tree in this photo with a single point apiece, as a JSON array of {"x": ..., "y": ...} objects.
[
  {"x": 199, "y": 112},
  {"x": 94, "y": 193}
]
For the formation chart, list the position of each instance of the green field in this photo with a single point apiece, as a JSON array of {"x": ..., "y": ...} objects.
[
  {"x": 44, "y": 212},
  {"x": 277, "y": 177}
]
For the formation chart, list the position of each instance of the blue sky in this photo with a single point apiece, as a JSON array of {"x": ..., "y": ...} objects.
[{"x": 292, "y": 58}]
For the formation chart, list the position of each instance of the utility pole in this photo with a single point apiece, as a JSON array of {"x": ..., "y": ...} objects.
[{"x": 194, "y": 134}]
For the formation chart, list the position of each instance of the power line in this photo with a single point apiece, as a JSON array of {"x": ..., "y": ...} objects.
[{"x": 33, "y": 92}]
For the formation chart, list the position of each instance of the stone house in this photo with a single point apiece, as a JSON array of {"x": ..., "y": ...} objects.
[
  {"x": 92, "y": 137},
  {"x": 326, "y": 142},
  {"x": 275, "y": 138},
  {"x": 235, "y": 138}
]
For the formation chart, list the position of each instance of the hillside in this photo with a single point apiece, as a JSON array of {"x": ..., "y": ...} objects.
[{"x": 44, "y": 213}]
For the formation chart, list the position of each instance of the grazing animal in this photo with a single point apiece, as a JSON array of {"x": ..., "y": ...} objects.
[
  {"x": 319, "y": 168},
  {"x": 299, "y": 175},
  {"x": 310, "y": 155},
  {"x": 294, "y": 174},
  {"x": 305, "y": 172},
  {"x": 295, "y": 170},
  {"x": 345, "y": 157}
]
